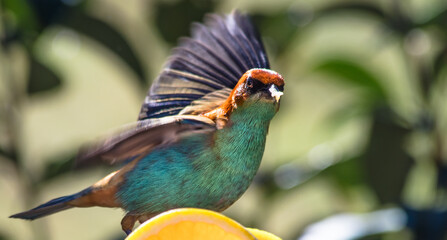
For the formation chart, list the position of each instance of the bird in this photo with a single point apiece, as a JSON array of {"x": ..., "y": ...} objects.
[{"x": 201, "y": 132}]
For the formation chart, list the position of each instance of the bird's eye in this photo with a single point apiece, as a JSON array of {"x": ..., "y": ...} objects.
[
  {"x": 281, "y": 88},
  {"x": 249, "y": 83}
]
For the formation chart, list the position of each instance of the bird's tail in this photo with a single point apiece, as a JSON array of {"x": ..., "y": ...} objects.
[{"x": 50, "y": 207}]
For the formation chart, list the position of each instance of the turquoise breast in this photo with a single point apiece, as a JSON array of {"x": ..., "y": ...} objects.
[{"x": 207, "y": 170}]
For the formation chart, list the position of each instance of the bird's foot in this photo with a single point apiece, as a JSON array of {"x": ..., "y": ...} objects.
[
  {"x": 128, "y": 222},
  {"x": 143, "y": 218}
]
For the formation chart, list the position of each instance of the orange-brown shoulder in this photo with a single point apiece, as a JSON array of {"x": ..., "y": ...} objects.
[{"x": 104, "y": 191}]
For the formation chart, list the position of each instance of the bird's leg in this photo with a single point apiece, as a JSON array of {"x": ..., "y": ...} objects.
[
  {"x": 145, "y": 217},
  {"x": 128, "y": 222}
]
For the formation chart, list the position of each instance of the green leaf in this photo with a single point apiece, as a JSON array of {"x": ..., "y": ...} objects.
[
  {"x": 440, "y": 61},
  {"x": 173, "y": 19},
  {"x": 41, "y": 78},
  {"x": 386, "y": 163},
  {"x": 280, "y": 28},
  {"x": 23, "y": 13},
  {"x": 363, "y": 7},
  {"x": 107, "y": 36},
  {"x": 354, "y": 74},
  {"x": 439, "y": 20},
  {"x": 9, "y": 154},
  {"x": 346, "y": 174},
  {"x": 58, "y": 166},
  {"x": 398, "y": 21}
]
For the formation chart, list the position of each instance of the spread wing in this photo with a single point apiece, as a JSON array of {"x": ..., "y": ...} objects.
[
  {"x": 212, "y": 60},
  {"x": 143, "y": 136},
  {"x": 198, "y": 77}
]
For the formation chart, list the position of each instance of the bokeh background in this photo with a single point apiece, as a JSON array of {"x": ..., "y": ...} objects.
[{"x": 357, "y": 151}]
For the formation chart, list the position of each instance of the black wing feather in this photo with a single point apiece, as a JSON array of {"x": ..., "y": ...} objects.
[
  {"x": 219, "y": 74},
  {"x": 238, "y": 53},
  {"x": 203, "y": 49},
  {"x": 214, "y": 58},
  {"x": 141, "y": 137}
]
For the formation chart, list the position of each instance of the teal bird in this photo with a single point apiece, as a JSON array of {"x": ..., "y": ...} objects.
[{"x": 201, "y": 133}]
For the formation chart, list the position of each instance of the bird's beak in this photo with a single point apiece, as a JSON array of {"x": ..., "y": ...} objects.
[{"x": 274, "y": 91}]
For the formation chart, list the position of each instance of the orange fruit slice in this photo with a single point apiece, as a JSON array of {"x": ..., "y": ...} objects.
[
  {"x": 197, "y": 224},
  {"x": 262, "y": 235}
]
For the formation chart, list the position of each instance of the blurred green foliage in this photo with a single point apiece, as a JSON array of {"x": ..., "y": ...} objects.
[{"x": 362, "y": 127}]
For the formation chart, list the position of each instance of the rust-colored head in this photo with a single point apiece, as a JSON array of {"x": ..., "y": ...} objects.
[{"x": 255, "y": 83}]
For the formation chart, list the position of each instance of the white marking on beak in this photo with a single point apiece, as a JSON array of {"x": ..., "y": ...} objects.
[{"x": 275, "y": 92}]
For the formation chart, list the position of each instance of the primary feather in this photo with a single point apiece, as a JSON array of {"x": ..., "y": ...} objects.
[{"x": 218, "y": 53}]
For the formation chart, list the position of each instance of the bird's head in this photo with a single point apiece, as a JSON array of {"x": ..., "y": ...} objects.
[
  {"x": 258, "y": 89},
  {"x": 258, "y": 85}
]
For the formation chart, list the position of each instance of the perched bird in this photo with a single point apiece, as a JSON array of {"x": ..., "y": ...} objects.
[{"x": 201, "y": 131}]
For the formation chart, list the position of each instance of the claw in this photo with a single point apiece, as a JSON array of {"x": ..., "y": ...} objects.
[{"x": 128, "y": 222}]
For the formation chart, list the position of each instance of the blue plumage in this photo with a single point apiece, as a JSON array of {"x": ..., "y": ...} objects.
[{"x": 52, "y": 206}]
